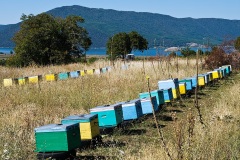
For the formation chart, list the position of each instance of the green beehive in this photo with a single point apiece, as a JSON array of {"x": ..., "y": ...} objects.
[{"x": 57, "y": 137}]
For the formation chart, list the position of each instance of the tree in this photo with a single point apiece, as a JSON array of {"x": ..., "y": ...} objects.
[
  {"x": 237, "y": 44},
  {"x": 122, "y": 44},
  {"x": 118, "y": 45},
  {"x": 137, "y": 42},
  {"x": 186, "y": 52},
  {"x": 44, "y": 40}
]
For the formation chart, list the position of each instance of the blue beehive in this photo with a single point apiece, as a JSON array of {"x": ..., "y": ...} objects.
[
  {"x": 194, "y": 81},
  {"x": 63, "y": 76},
  {"x": 108, "y": 115},
  {"x": 157, "y": 93},
  {"x": 74, "y": 74},
  {"x": 147, "y": 105},
  {"x": 131, "y": 109},
  {"x": 167, "y": 94}
]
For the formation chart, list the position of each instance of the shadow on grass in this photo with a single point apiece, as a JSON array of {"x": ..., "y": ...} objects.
[
  {"x": 133, "y": 132},
  {"x": 94, "y": 157}
]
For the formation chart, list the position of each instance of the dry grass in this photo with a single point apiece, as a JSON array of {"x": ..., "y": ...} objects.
[{"x": 23, "y": 108}]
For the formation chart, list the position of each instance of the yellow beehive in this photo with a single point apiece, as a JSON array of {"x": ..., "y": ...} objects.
[
  {"x": 9, "y": 82},
  {"x": 215, "y": 74},
  {"x": 91, "y": 71},
  {"x": 82, "y": 73},
  {"x": 50, "y": 77},
  {"x": 22, "y": 81},
  {"x": 182, "y": 88},
  {"x": 201, "y": 81},
  {"x": 33, "y": 79},
  {"x": 88, "y": 125},
  {"x": 89, "y": 130},
  {"x": 175, "y": 93}
]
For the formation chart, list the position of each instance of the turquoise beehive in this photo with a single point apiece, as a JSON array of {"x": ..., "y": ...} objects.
[
  {"x": 108, "y": 115},
  {"x": 147, "y": 105},
  {"x": 63, "y": 75},
  {"x": 103, "y": 70},
  {"x": 131, "y": 109},
  {"x": 157, "y": 93},
  {"x": 74, "y": 74},
  {"x": 167, "y": 94}
]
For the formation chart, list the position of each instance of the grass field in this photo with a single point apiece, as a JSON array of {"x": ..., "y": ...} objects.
[{"x": 23, "y": 108}]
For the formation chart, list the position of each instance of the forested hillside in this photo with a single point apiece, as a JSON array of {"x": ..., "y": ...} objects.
[{"x": 102, "y": 23}]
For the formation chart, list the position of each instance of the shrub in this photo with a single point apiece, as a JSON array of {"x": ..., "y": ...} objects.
[{"x": 217, "y": 58}]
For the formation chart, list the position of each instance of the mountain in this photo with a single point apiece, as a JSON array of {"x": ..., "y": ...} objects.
[{"x": 103, "y": 23}]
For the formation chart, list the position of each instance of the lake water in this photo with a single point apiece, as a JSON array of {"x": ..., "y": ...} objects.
[{"x": 102, "y": 51}]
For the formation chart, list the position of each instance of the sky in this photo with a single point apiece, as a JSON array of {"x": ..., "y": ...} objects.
[{"x": 11, "y": 10}]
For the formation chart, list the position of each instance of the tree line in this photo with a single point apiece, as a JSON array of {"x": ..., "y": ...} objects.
[{"x": 48, "y": 40}]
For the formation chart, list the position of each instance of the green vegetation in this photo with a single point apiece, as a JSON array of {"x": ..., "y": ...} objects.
[
  {"x": 102, "y": 24},
  {"x": 44, "y": 40},
  {"x": 237, "y": 44},
  {"x": 122, "y": 44}
]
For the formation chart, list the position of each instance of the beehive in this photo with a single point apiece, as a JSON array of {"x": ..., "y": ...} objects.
[
  {"x": 108, "y": 115},
  {"x": 219, "y": 73},
  {"x": 9, "y": 82},
  {"x": 34, "y": 79},
  {"x": 182, "y": 88},
  {"x": 103, "y": 70},
  {"x": 215, "y": 75},
  {"x": 90, "y": 71},
  {"x": 74, "y": 74},
  {"x": 22, "y": 81},
  {"x": 97, "y": 71},
  {"x": 147, "y": 105},
  {"x": 63, "y": 75},
  {"x": 201, "y": 80},
  {"x": 188, "y": 82},
  {"x": 50, "y": 77},
  {"x": 210, "y": 76},
  {"x": 206, "y": 77},
  {"x": 157, "y": 93},
  {"x": 131, "y": 109},
  {"x": 229, "y": 68},
  {"x": 82, "y": 73},
  {"x": 167, "y": 94},
  {"x": 88, "y": 124},
  {"x": 171, "y": 83},
  {"x": 194, "y": 81},
  {"x": 109, "y": 68},
  {"x": 57, "y": 137}
]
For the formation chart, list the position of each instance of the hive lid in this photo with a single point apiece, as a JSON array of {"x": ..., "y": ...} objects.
[
  {"x": 130, "y": 103},
  {"x": 147, "y": 99},
  {"x": 106, "y": 107},
  {"x": 55, "y": 127},
  {"x": 81, "y": 117}
]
